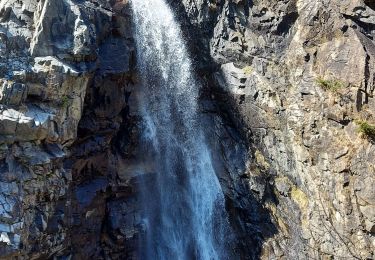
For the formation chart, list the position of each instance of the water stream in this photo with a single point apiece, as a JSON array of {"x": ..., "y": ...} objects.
[{"x": 184, "y": 208}]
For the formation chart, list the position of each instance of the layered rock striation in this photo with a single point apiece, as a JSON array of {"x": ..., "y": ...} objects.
[
  {"x": 297, "y": 79},
  {"x": 65, "y": 69}
]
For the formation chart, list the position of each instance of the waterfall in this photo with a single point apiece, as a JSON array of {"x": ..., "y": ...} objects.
[{"x": 184, "y": 208}]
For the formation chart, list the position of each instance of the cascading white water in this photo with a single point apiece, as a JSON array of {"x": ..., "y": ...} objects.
[{"x": 184, "y": 211}]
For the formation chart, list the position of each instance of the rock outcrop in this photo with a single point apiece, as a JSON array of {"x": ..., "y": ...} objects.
[
  {"x": 297, "y": 79},
  {"x": 288, "y": 92},
  {"x": 65, "y": 70}
]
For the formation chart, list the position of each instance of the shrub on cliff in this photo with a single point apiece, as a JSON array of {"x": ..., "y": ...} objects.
[
  {"x": 366, "y": 129},
  {"x": 330, "y": 85}
]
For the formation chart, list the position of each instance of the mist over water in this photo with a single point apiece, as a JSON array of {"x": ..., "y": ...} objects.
[{"x": 183, "y": 204}]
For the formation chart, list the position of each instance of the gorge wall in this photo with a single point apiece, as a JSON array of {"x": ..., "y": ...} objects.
[{"x": 285, "y": 85}]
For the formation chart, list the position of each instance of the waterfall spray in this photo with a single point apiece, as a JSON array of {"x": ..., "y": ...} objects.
[{"x": 184, "y": 206}]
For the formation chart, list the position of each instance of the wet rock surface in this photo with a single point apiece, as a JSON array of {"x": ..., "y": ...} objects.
[{"x": 286, "y": 86}]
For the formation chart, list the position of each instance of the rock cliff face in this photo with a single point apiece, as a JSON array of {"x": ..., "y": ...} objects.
[
  {"x": 65, "y": 71},
  {"x": 288, "y": 92},
  {"x": 297, "y": 79}
]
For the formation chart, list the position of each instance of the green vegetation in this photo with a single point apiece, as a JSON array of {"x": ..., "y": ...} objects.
[
  {"x": 65, "y": 101},
  {"x": 247, "y": 70},
  {"x": 330, "y": 85},
  {"x": 366, "y": 129}
]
